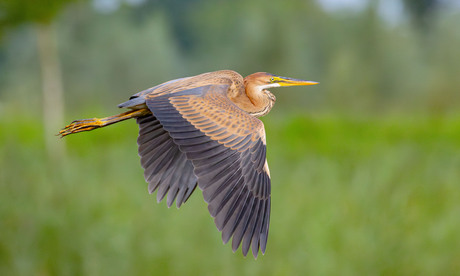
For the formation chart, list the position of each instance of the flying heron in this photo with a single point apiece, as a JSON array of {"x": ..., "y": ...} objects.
[{"x": 205, "y": 130}]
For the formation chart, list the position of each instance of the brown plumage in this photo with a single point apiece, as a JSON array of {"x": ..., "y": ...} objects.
[{"x": 204, "y": 130}]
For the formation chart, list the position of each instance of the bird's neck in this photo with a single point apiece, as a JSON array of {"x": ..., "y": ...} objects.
[
  {"x": 255, "y": 101},
  {"x": 263, "y": 102}
]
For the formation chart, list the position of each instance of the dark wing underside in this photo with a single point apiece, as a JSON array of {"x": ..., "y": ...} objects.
[
  {"x": 226, "y": 147},
  {"x": 166, "y": 168}
]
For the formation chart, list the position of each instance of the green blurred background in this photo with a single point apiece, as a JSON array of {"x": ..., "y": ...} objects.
[{"x": 365, "y": 166}]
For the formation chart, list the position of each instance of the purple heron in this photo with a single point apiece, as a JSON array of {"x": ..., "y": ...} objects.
[{"x": 205, "y": 130}]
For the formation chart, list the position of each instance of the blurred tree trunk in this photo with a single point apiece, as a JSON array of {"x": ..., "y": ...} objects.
[{"x": 53, "y": 96}]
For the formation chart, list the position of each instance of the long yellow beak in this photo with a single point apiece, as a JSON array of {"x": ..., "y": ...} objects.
[{"x": 284, "y": 81}]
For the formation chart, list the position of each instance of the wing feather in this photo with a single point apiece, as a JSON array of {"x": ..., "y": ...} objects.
[
  {"x": 166, "y": 168},
  {"x": 226, "y": 147}
]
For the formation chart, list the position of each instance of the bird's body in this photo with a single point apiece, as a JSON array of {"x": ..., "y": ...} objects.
[
  {"x": 204, "y": 130},
  {"x": 249, "y": 100}
]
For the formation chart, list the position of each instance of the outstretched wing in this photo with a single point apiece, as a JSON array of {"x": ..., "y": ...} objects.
[
  {"x": 166, "y": 168},
  {"x": 227, "y": 149}
]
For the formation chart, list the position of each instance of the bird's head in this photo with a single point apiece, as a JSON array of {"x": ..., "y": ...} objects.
[{"x": 261, "y": 81}]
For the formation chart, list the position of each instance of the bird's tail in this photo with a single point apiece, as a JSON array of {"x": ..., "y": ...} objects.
[{"x": 90, "y": 124}]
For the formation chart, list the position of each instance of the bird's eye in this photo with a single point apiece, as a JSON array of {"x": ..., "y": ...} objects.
[{"x": 272, "y": 79}]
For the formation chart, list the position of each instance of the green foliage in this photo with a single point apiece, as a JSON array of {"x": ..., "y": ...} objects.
[
  {"x": 15, "y": 12},
  {"x": 350, "y": 197},
  {"x": 422, "y": 11},
  {"x": 363, "y": 64}
]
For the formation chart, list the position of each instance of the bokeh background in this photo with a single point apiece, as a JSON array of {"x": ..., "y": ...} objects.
[{"x": 365, "y": 166}]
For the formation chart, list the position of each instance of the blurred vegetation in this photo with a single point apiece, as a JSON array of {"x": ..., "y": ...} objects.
[
  {"x": 364, "y": 63},
  {"x": 366, "y": 197},
  {"x": 365, "y": 166}
]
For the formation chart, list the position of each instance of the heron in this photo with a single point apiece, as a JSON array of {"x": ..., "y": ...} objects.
[{"x": 204, "y": 130}]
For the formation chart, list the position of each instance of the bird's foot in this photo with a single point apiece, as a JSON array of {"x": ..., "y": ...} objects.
[{"x": 81, "y": 125}]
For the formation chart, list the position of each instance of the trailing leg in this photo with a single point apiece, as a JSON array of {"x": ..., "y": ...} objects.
[{"x": 90, "y": 124}]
